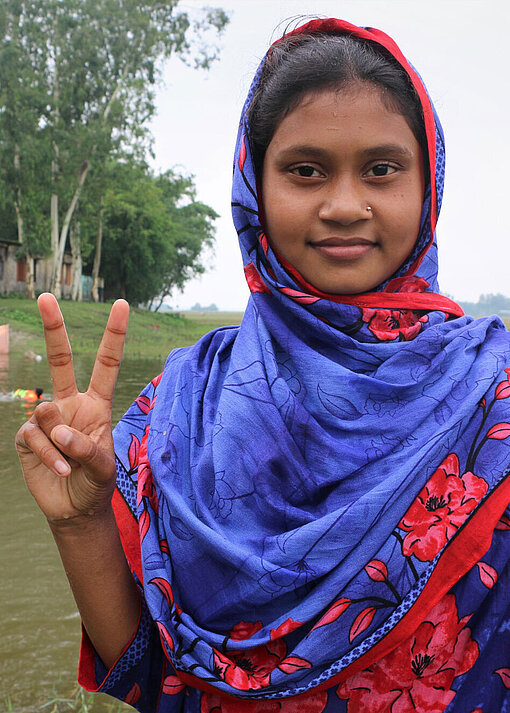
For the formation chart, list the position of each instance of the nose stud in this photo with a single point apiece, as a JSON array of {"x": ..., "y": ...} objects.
[{"x": 368, "y": 208}]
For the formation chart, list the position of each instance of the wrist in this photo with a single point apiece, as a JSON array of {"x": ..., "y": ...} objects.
[{"x": 83, "y": 524}]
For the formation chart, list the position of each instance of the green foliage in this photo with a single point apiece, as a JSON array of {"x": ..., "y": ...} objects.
[
  {"x": 155, "y": 232},
  {"x": 77, "y": 83}
]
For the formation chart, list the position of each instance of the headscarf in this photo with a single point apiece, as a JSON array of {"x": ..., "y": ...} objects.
[{"x": 314, "y": 483}]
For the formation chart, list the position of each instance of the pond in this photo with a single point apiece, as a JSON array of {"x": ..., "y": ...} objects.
[{"x": 39, "y": 626}]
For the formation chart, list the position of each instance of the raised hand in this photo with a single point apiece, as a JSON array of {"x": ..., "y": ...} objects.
[{"x": 66, "y": 448}]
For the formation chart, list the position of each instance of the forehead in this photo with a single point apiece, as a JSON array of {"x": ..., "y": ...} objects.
[{"x": 355, "y": 114}]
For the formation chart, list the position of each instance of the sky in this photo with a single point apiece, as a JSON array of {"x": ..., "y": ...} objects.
[{"x": 460, "y": 50}]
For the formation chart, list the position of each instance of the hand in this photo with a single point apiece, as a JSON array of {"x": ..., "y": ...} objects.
[{"x": 66, "y": 448}]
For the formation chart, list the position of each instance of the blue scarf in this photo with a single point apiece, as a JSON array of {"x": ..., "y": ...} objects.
[{"x": 316, "y": 482}]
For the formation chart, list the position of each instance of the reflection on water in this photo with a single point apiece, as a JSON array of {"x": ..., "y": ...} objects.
[
  {"x": 39, "y": 627},
  {"x": 4, "y": 370}
]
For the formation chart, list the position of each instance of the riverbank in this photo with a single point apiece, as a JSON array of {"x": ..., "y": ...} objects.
[{"x": 150, "y": 334}]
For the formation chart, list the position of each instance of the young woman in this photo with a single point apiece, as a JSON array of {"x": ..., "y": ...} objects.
[{"x": 312, "y": 505}]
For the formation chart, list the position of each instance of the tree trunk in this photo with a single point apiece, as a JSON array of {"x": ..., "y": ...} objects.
[
  {"x": 97, "y": 254},
  {"x": 54, "y": 242},
  {"x": 54, "y": 283},
  {"x": 30, "y": 276},
  {"x": 161, "y": 298},
  {"x": 21, "y": 227},
  {"x": 76, "y": 265},
  {"x": 59, "y": 257}
]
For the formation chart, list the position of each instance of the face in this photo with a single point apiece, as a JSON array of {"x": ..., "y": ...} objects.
[{"x": 330, "y": 159}]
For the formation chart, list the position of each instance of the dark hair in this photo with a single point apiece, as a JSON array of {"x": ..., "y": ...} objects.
[{"x": 304, "y": 63}]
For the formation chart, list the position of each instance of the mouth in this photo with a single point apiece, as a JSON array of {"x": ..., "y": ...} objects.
[{"x": 343, "y": 248}]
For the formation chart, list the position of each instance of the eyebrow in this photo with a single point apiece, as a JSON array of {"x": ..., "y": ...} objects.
[{"x": 370, "y": 152}]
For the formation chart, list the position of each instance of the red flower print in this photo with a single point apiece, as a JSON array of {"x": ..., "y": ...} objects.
[
  {"x": 264, "y": 243},
  {"x": 504, "y": 523},
  {"x": 134, "y": 695},
  {"x": 377, "y": 571},
  {"x": 285, "y": 628},
  {"x": 251, "y": 669},
  {"x": 504, "y": 674},
  {"x": 245, "y": 630},
  {"x": 172, "y": 685},
  {"x": 499, "y": 432},
  {"x": 334, "y": 611},
  {"x": 143, "y": 524},
  {"x": 488, "y": 574},
  {"x": 416, "y": 677},
  {"x": 242, "y": 153},
  {"x": 361, "y": 622},
  {"x": 503, "y": 390},
  {"x": 300, "y": 297},
  {"x": 164, "y": 587},
  {"x": 407, "y": 284},
  {"x": 133, "y": 451},
  {"x": 388, "y": 324},
  {"x": 144, "y": 403},
  {"x": 440, "y": 509},
  {"x": 156, "y": 380},
  {"x": 314, "y": 702},
  {"x": 254, "y": 280},
  {"x": 165, "y": 637},
  {"x": 145, "y": 486}
]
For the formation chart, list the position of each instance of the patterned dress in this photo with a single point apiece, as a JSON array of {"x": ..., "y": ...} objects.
[{"x": 315, "y": 503}]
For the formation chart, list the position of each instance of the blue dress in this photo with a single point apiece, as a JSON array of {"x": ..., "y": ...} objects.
[{"x": 315, "y": 503}]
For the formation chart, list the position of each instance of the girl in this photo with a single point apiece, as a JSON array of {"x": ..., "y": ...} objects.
[{"x": 312, "y": 505}]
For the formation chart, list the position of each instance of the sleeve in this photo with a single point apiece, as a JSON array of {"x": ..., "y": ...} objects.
[{"x": 140, "y": 676}]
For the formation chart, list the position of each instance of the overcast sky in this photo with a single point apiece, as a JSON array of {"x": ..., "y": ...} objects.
[{"x": 461, "y": 51}]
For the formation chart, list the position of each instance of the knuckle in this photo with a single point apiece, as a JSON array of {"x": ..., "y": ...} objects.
[
  {"x": 59, "y": 359},
  {"x": 116, "y": 332},
  {"x": 47, "y": 415},
  {"x": 108, "y": 360},
  {"x": 90, "y": 451},
  {"x": 20, "y": 440},
  {"x": 45, "y": 452}
]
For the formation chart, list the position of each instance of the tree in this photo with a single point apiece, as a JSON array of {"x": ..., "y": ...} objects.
[
  {"x": 155, "y": 234},
  {"x": 22, "y": 102},
  {"x": 95, "y": 62},
  {"x": 192, "y": 231}
]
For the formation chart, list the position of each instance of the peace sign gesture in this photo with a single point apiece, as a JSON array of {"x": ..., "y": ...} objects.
[{"x": 66, "y": 448}]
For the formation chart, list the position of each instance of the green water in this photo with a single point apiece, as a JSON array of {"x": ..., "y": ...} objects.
[{"x": 39, "y": 626}]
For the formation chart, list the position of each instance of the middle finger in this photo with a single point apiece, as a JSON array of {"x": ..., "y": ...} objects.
[{"x": 109, "y": 354}]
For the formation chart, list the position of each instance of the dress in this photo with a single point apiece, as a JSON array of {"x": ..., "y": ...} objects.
[{"x": 316, "y": 500}]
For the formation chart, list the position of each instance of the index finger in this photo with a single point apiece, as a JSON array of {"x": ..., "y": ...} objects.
[
  {"x": 58, "y": 349},
  {"x": 109, "y": 354}
]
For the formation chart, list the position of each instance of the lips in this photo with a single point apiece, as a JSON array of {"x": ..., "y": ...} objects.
[{"x": 343, "y": 248}]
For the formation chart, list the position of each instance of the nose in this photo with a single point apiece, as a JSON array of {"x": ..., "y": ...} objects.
[{"x": 343, "y": 201}]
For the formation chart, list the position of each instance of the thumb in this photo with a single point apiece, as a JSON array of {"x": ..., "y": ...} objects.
[{"x": 84, "y": 450}]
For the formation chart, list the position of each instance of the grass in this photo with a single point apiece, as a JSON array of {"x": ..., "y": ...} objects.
[
  {"x": 150, "y": 334},
  {"x": 78, "y": 701}
]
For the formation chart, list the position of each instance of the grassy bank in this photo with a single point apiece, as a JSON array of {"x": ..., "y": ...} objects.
[{"x": 151, "y": 334}]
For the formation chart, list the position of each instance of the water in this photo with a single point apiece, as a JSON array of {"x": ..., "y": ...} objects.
[{"x": 39, "y": 626}]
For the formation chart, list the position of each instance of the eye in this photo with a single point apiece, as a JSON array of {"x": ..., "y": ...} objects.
[
  {"x": 306, "y": 171},
  {"x": 381, "y": 169}
]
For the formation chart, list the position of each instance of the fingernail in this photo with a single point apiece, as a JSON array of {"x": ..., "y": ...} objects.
[
  {"x": 62, "y": 467},
  {"x": 63, "y": 436}
]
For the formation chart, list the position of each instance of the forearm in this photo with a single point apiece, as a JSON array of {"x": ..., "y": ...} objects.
[{"x": 106, "y": 594}]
